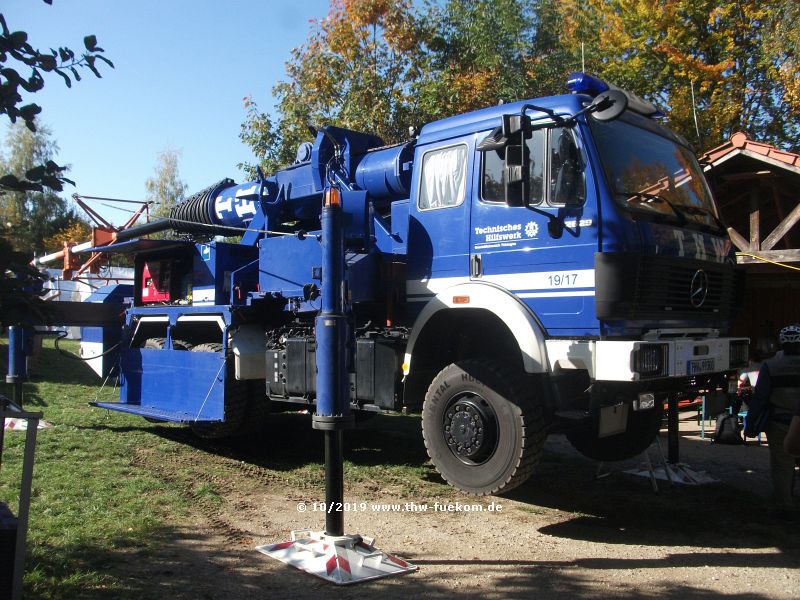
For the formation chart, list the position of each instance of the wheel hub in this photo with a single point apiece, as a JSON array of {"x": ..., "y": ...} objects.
[{"x": 470, "y": 428}]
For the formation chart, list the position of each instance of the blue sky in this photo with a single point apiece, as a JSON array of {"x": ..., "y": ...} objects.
[{"x": 182, "y": 70}]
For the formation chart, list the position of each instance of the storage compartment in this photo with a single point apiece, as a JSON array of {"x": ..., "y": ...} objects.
[
  {"x": 292, "y": 370},
  {"x": 378, "y": 363}
]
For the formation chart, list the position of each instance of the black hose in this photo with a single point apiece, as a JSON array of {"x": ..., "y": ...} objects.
[
  {"x": 193, "y": 215},
  {"x": 143, "y": 229},
  {"x": 60, "y": 335}
]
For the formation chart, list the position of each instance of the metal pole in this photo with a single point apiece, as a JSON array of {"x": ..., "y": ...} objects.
[
  {"x": 334, "y": 483},
  {"x": 3, "y": 409},
  {"x": 17, "y": 362},
  {"x": 673, "y": 450},
  {"x": 332, "y": 333},
  {"x": 24, "y": 507}
]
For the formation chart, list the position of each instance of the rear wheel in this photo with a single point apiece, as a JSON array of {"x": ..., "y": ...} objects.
[
  {"x": 643, "y": 426},
  {"x": 244, "y": 412},
  {"x": 482, "y": 428},
  {"x": 159, "y": 343}
]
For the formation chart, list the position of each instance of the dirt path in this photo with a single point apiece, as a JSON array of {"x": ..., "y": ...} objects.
[{"x": 564, "y": 534}]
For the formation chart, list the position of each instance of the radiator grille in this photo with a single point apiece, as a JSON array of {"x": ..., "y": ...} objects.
[{"x": 636, "y": 287}]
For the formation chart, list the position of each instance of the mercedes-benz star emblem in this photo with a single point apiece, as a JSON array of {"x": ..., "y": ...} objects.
[{"x": 698, "y": 290}]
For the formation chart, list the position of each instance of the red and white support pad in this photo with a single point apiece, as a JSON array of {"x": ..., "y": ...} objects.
[{"x": 342, "y": 560}]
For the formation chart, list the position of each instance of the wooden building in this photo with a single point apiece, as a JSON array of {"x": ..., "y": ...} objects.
[{"x": 757, "y": 187}]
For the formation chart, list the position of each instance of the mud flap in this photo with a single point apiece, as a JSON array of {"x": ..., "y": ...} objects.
[{"x": 613, "y": 420}]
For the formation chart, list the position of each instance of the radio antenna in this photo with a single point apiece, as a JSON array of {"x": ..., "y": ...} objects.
[{"x": 694, "y": 113}]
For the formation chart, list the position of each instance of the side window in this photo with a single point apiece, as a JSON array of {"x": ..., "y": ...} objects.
[
  {"x": 493, "y": 184},
  {"x": 566, "y": 168},
  {"x": 443, "y": 181}
]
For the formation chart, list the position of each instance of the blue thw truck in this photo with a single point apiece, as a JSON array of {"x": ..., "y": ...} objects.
[{"x": 546, "y": 266}]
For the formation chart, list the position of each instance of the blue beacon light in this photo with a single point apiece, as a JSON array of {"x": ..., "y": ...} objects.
[{"x": 583, "y": 83}]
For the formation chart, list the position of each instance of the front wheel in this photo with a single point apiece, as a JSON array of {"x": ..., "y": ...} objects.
[
  {"x": 642, "y": 428},
  {"x": 482, "y": 429}
]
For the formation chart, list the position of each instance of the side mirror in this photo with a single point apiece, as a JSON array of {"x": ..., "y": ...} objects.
[
  {"x": 516, "y": 174},
  {"x": 512, "y": 125},
  {"x": 517, "y": 165},
  {"x": 608, "y": 105}
]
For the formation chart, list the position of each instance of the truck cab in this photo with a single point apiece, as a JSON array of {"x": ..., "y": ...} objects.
[{"x": 586, "y": 253}]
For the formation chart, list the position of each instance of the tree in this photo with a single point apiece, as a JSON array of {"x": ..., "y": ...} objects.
[
  {"x": 356, "y": 70},
  {"x": 69, "y": 228},
  {"x": 783, "y": 42},
  {"x": 260, "y": 134},
  {"x": 30, "y": 215},
  {"x": 19, "y": 282},
  {"x": 382, "y": 66},
  {"x": 165, "y": 189},
  {"x": 480, "y": 53},
  {"x": 17, "y": 53},
  {"x": 725, "y": 50}
]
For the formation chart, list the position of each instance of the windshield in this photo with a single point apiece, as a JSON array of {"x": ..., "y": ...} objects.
[{"x": 651, "y": 172}]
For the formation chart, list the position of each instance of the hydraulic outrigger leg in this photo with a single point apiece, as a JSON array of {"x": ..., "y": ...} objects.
[{"x": 331, "y": 554}]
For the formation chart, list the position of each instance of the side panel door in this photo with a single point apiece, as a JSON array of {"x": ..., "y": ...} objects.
[{"x": 543, "y": 253}]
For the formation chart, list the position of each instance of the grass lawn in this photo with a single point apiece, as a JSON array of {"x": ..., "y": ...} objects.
[
  {"x": 108, "y": 487},
  {"x": 88, "y": 498}
]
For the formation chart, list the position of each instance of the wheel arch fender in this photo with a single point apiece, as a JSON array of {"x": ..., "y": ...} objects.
[{"x": 517, "y": 317}]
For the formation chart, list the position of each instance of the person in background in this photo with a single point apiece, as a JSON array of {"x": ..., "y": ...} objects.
[
  {"x": 791, "y": 444},
  {"x": 748, "y": 377},
  {"x": 772, "y": 406}
]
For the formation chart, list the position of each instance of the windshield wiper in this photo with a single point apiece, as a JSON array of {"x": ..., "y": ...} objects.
[
  {"x": 698, "y": 210},
  {"x": 653, "y": 198}
]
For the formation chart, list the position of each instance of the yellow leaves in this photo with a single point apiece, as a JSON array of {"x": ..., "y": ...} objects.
[
  {"x": 470, "y": 90},
  {"x": 691, "y": 67},
  {"x": 354, "y": 24},
  {"x": 76, "y": 232},
  {"x": 366, "y": 13},
  {"x": 790, "y": 77}
]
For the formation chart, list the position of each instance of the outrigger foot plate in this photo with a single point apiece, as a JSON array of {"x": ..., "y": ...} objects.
[{"x": 342, "y": 560}]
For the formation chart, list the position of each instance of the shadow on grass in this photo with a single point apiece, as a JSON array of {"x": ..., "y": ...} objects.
[
  {"x": 618, "y": 509},
  {"x": 288, "y": 441},
  {"x": 563, "y": 480},
  {"x": 50, "y": 364}
]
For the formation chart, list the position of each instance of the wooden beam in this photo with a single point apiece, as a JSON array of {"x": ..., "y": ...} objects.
[
  {"x": 730, "y": 199},
  {"x": 788, "y": 240},
  {"x": 783, "y": 227},
  {"x": 755, "y": 220},
  {"x": 760, "y": 175},
  {"x": 781, "y": 256},
  {"x": 738, "y": 240}
]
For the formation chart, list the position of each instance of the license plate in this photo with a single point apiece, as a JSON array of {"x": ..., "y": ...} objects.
[{"x": 705, "y": 365}]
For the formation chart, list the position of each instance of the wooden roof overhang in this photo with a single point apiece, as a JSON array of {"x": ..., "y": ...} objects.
[{"x": 757, "y": 187}]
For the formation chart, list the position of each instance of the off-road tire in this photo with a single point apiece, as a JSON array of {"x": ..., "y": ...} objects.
[
  {"x": 643, "y": 427},
  {"x": 482, "y": 388},
  {"x": 244, "y": 412},
  {"x": 159, "y": 343}
]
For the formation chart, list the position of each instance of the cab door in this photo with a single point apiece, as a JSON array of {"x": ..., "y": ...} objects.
[
  {"x": 438, "y": 234},
  {"x": 544, "y": 252}
]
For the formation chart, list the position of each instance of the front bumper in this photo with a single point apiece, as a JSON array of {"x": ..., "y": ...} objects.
[{"x": 649, "y": 360}]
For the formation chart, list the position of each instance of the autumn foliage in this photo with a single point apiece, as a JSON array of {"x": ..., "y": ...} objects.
[{"x": 714, "y": 66}]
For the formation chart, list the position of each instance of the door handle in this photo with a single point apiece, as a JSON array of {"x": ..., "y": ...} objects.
[{"x": 476, "y": 266}]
